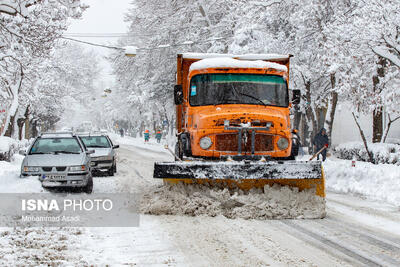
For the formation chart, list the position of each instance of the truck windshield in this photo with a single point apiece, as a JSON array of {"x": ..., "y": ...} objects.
[{"x": 257, "y": 89}]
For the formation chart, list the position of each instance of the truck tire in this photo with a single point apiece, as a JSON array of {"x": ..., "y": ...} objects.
[
  {"x": 295, "y": 148},
  {"x": 179, "y": 150}
]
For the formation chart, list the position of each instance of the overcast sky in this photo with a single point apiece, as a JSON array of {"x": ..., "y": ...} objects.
[{"x": 103, "y": 16}]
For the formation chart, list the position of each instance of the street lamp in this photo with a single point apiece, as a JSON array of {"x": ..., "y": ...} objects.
[{"x": 130, "y": 51}]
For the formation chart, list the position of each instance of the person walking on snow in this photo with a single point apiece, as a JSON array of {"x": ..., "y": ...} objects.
[
  {"x": 121, "y": 131},
  {"x": 321, "y": 140},
  {"x": 158, "y": 136},
  {"x": 146, "y": 136}
]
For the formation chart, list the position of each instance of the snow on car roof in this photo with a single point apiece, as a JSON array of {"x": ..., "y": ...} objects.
[
  {"x": 96, "y": 133},
  {"x": 273, "y": 57},
  {"x": 228, "y": 62},
  {"x": 56, "y": 135}
]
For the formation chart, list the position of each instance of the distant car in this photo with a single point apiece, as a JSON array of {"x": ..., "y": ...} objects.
[
  {"x": 59, "y": 160},
  {"x": 103, "y": 158}
]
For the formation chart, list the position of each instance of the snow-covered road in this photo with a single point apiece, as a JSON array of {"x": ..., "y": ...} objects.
[{"x": 356, "y": 232}]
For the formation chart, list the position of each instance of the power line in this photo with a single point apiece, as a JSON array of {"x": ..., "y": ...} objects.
[
  {"x": 147, "y": 48},
  {"x": 93, "y": 44},
  {"x": 103, "y": 35}
]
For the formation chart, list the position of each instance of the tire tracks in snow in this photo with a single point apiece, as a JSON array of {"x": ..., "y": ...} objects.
[{"x": 341, "y": 240}]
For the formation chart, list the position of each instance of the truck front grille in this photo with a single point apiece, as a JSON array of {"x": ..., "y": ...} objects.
[{"x": 229, "y": 143}]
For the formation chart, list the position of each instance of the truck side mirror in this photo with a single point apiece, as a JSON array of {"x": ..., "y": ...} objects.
[
  {"x": 296, "y": 96},
  {"x": 178, "y": 94}
]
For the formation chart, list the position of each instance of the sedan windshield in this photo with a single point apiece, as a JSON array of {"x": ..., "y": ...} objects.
[
  {"x": 257, "y": 89},
  {"x": 56, "y": 145},
  {"x": 96, "y": 141}
]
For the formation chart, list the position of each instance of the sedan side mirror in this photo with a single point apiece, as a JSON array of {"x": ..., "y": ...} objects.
[
  {"x": 116, "y": 146},
  {"x": 22, "y": 152},
  {"x": 90, "y": 151},
  {"x": 296, "y": 96},
  {"x": 178, "y": 94}
]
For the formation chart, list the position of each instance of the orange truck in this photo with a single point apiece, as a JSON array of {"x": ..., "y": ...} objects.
[{"x": 233, "y": 124}]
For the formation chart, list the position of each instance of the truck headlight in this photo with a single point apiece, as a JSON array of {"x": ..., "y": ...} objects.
[
  {"x": 282, "y": 143},
  {"x": 205, "y": 142},
  {"x": 31, "y": 169},
  {"x": 77, "y": 168}
]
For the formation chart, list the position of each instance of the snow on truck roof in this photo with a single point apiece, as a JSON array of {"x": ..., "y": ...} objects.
[
  {"x": 273, "y": 57},
  {"x": 228, "y": 62}
]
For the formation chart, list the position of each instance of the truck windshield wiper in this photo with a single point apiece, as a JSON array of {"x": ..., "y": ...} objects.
[
  {"x": 255, "y": 98},
  {"x": 250, "y": 96}
]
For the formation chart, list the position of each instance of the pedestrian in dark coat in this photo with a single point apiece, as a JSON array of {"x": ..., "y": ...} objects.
[
  {"x": 321, "y": 140},
  {"x": 158, "y": 136}
]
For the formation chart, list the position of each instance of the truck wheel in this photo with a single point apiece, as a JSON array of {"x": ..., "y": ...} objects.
[
  {"x": 89, "y": 186},
  {"x": 295, "y": 149},
  {"x": 179, "y": 150}
]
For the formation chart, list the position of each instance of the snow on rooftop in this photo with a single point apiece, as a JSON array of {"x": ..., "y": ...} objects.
[{"x": 228, "y": 62}]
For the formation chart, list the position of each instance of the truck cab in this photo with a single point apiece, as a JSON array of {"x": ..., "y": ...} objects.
[{"x": 233, "y": 106}]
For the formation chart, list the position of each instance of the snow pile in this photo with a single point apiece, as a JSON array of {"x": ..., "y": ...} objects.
[
  {"x": 12, "y": 183},
  {"x": 40, "y": 247},
  {"x": 382, "y": 152},
  {"x": 276, "y": 202},
  {"x": 7, "y": 143},
  {"x": 8, "y": 147},
  {"x": 379, "y": 182}
]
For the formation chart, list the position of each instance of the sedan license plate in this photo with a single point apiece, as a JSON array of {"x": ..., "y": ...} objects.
[{"x": 53, "y": 177}]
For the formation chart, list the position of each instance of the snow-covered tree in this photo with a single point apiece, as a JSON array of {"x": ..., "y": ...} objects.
[{"x": 28, "y": 32}]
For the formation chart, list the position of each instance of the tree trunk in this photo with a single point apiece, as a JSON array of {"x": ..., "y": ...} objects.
[
  {"x": 310, "y": 117},
  {"x": 371, "y": 158},
  {"x": 10, "y": 127},
  {"x": 377, "y": 125},
  {"x": 27, "y": 129},
  {"x": 20, "y": 123},
  {"x": 330, "y": 114},
  {"x": 141, "y": 129},
  {"x": 33, "y": 129}
]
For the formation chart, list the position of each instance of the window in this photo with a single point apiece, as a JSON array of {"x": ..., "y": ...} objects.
[
  {"x": 56, "y": 145},
  {"x": 257, "y": 89},
  {"x": 95, "y": 141}
]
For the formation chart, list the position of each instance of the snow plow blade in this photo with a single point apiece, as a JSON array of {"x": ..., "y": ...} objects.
[{"x": 245, "y": 175}]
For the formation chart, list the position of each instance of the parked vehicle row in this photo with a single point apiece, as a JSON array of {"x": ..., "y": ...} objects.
[{"x": 66, "y": 160}]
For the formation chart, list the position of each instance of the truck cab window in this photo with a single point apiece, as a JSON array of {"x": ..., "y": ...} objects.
[{"x": 257, "y": 89}]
